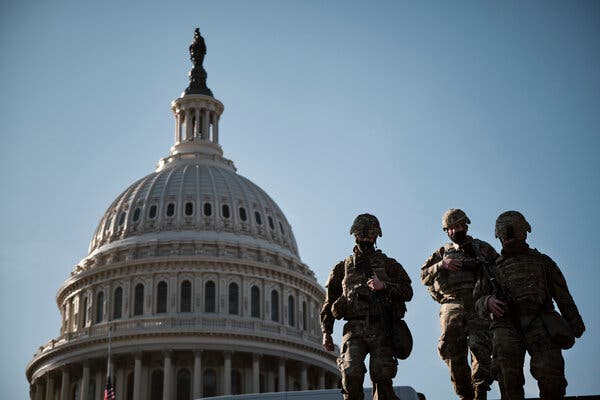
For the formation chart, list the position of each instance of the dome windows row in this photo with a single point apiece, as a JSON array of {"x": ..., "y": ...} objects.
[
  {"x": 188, "y": 211},
  {"x": 258, "y": 307}
]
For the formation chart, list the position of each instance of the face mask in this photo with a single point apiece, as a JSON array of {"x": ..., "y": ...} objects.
[
  {"x": 458, "y": 237},
  {"x": 365, "y": 246}
]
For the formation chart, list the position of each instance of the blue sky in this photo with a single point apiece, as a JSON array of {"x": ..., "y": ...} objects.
[{"x": 334, "y": 108}]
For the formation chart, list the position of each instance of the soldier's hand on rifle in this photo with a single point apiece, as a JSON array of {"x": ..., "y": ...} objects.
[
  {"x": 375, "y": 284},
  {"x": 451, "y": 264},
  {"x": 496, "y": 306},
  {"x": 327, "y": 341}
]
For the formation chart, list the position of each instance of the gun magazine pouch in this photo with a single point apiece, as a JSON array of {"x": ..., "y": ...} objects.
[{"x": 558, "y": 328}]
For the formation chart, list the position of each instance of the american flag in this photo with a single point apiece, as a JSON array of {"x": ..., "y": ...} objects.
[{"x": 109, "y": 392}]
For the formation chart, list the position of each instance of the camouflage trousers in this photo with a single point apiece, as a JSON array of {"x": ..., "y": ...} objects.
[
  {"x": 547, "y": 364},
  {"x": 362, "y": 337},
  {"x": 464, "y": 331}
]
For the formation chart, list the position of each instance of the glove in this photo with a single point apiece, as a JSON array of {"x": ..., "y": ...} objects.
[
  {"x": 578, "y": 327},
  {"x": 339, "y": 307}
]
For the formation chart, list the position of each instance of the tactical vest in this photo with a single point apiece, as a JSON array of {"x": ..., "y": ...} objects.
[
  {"x": 354, "y": 285},
  {"x": 448, "y": 284},
  {"x": 523, "y": 280}
]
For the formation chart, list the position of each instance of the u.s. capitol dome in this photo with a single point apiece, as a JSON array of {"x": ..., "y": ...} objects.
[{"x": 194, "y": 273}]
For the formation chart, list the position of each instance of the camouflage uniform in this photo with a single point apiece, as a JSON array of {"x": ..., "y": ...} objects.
[
  {"x": 368, "y": 315},
  {"x": 461, "y": 328},
  {"x": 527, "y": 278}
]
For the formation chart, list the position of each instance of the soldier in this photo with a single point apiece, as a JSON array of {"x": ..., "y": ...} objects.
[
  {"x": 450, "y": 275},
  {"x": 367, "y": 289},
  {"x": 524, "y": 283}
]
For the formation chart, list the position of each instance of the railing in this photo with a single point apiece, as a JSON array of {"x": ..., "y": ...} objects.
[{"x": 182, "y": 323}]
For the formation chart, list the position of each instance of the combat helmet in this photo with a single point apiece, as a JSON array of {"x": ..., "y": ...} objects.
[
  {"x": 454, "y": 216},
  {"x": 367, "y": 225},
  {"x": 512, "y": 224}
]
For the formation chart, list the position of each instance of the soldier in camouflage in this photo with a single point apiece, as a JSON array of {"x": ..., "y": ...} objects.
[
  {"x": 450, "y": 275},
  {"x": 368, "y": 290},
  {"x": 526, "y": 282}
]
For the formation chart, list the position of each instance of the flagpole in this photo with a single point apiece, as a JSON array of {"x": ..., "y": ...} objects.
[{"x": 109, "y": 343}]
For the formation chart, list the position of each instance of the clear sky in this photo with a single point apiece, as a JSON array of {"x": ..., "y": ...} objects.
[{"x": 334, "y": 108}]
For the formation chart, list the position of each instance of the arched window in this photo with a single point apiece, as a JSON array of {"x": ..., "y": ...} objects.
[
  {"x": 234, "y": 296},
  {"x": 255, "y": 302},
  {"x": 99, "y": 307},
  {"x": 304, "y": 316},
  {"x": 225, "y": 211},
  {"x": 129, "y": 391},
  {"x": 236, "y": 382},
  {"x": 85, "y": 310},
  {"x": 156, "y": 385},
  {"x": 209, "y": 297},
  {"x": 271, "y": 224},
  {"x": 118, "y": 303},
  {"x": 161, "y": 297},
  {"x": 122, "y": 218},
  {"x": 138, "y": 300},
  {"x": 91, "y": 389},
  {"x": 189, "y": 208},
  {"x": 281, "y": 228},
  {"x": 75, "y": 392},
  {"x": 152, "y": 211},
  {"x": 274, "y": 306},
  {"x": 136, "y": 214},
  {"x": 291, "y": 311},
  {"x": 243, "y": 215},
  {"x": 184, "y": 387},
  {"x": 185, "y": 303},
  {"x": 207, "y": 209},
  {"x": 170, "y": 209},
  {"x": 210, "y": 383},
  {"x": 258, "y": 218}
]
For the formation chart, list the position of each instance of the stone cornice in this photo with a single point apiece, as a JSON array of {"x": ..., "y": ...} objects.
[
  {"x": 125, "y": 341},
  {"x": 195, "y": 264}
]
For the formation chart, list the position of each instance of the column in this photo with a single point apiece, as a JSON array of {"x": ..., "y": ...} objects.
[
  {"x": 197, "y": 378},
  {"x": 216, "y": 128},
  {"x": 85, "y": 380},
  {"x": 303, "y": 377},
  {"x": 167, "y": 376},
  {"x": 50, "y": 387},
  {"x": 270, "y": 381},
  {"x": 137, "y": 377},
  {"x": 205, "y": 124},
  {"x": 120, "y": 387},
  {"x": 256, "y": 373},
  {"x": 226, "y": 373},
  {"x": 282, "y": 379},
  {"x": 65, "y": 384},
  {"x": 177, "y": 127},
  {"x": 99, "y": 386},
  {"x": 39, "y": 394},
  {"x": 321, "y": 379},
  {"x": 188, "y": 125},
  {"x": 197, "y": 132}
]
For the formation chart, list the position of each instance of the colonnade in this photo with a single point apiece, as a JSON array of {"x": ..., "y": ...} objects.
[
  {"x": 182, "y": 375},
  {"x": 196, "y": 123}
]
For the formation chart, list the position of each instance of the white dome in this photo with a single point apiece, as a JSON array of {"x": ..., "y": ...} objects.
[{"x": 195, "y": 199}]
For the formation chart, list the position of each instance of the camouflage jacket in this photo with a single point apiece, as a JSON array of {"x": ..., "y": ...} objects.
[
  {"x": 529, "y": 281},
  {"x": 346, "y": 278},
  {"x": 444, "y": 285}
]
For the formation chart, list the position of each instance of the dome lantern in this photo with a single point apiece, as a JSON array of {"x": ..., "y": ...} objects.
[{"x": 197, "y": 114}]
